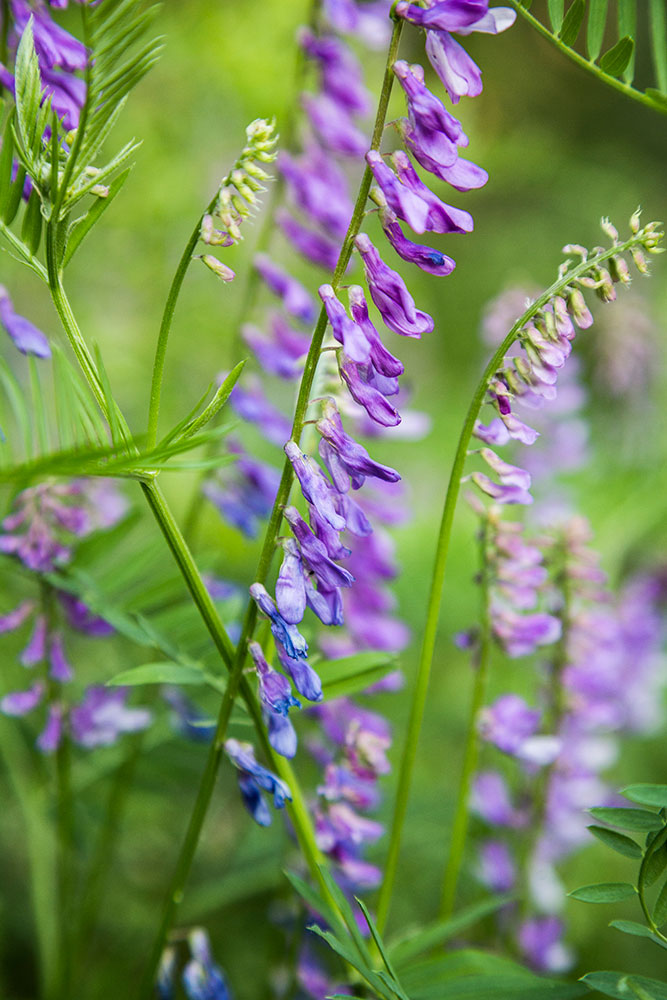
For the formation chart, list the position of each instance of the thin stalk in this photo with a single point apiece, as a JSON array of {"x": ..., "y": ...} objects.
[
  {"x": 165, "y": 325},
  {"x": 420, "y": 689},
  {"x": 588, "y": 64},
  {"x": 65, "y": 860},
  {"x": 471, "y": 751}
]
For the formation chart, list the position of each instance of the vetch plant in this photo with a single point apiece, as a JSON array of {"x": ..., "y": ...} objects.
[{"x": 284, "y": 673}]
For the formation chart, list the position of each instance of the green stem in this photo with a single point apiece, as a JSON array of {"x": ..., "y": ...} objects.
[
  {"x": 165, "y": 325},
  {"x": 588, "y": 64},
  {"x": 66, "y": 856},
  {"x": 420, "y": 690},
  {"x": 471, "y": 752}
]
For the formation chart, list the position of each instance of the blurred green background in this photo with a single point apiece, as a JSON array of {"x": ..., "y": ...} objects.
[{"x": 561, "y": 151}]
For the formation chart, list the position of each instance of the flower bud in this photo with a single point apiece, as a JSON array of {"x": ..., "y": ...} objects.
[
  {"x": 609, "y": 229},
  {"x": 634, "y": 221},
  {"x": 215, "y": 265}
]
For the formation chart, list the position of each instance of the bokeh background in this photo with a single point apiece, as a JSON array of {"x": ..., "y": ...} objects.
[{"x": 561, "y": 151}]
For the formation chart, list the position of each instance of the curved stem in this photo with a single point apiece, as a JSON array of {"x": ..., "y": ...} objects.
[
  {"x": 471, "y": 752},
  {"x": 588, "y": 64},
  {"x": 165, "y": 325},
  {"x": 420, "y": 690}
]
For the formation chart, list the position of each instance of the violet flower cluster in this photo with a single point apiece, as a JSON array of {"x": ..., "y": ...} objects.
[{"x": 41, "y": 532}]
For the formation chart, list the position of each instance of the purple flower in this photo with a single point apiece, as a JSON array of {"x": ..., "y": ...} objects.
[
  {"x": 541, "y": 944},
  {"x": 251, "y": 404},
  {"x": 54, "y": 45},
  {"x": 304, "y": 678},
  {"x": 429, "y": 260},
  {"x": 358, "y": 379},
  {"x": 342, "y": 76},
  {"x": 382, "y": 361},
  {"x": 312, "y": 245},
  {"x": 68, "y": 95},
  {"x": 435, "y": 156},
  {"x": 253, "y": 778},
  {"x": 316, "y": 489},
  {"x": 48, "y": 740},
  {"x": 285, "y": 633},
  {"x": 500, "y": 492},
  {"x": 406, "y": 203},
  {"x": 35, "y": 651},
  {"x": 60, "y": 668},
  {"x": 282, "y": 734},
  {"x": 508, "y": 722},
  {"x": 426, "y": 112},
  {"x": 102, "y": 716},
  {"x": 440, "y": 218},
  {"x": 274, "y": 689},
  {"x": 202, "y": 978},
  {"x": 495, "y": 433},
  {"x": 521, "y": 634},
  {"x": 291, "y": 584},
  {"x": 491, "y": 800},
  {"x": 295, "y": 298},
  {"x": 333, "y": 125},
  {"x": 329, "y": 574},
  {"x": 345, "y": 330},
  {"x": 81, "y": 618},
  {"x": 21, "y": 702},
  {"x": 445, "y": 15},
  {"x": 14, "y": 619},
  {"x": 27, "y": 338},
  {"x": 347, "y": 455},
  {"x": 319, "y": 188},
  {"x": 496, "y": 868},
  {"x": 390, "y": 295}
]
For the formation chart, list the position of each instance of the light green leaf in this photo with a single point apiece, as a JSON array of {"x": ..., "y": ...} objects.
[
  {"x": 647, "y": 795},
  {"x": 163, "y": 672},
  {"x": 221, "y": 396},
  {"x": 627, "y": 28},
  {"x": 617, "y": 841},
  {"x": 597, "y": 18},
  {"x": 629, "y": 819},
  {"x": 655, "y": 866},
  {"x": 556, "y": 9},
  {"x": 28, "y": 90},
  {"x": 375, "y": 934},
  {"x": 603, "y": 892},
  {"x": 354, "y": 673},
  {"x": 615, "y": 60},
  {"x": 572, "y": 22},
  {"x": 637, "y": 930},
  {"x": 615, "y": 984}
]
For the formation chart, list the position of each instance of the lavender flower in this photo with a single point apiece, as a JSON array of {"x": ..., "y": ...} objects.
[
  {"x": 284, "y": 633},
  {"x": 294, "y": 296},
  {"x": 253, "y": 779},
  {"x": 333, "y": 125},
  {"x": 390, "y": 295},
  {"x": 27, "y": 338},
  {"x": 345, "y": 330},
  {"x": 315, "y": 487}
]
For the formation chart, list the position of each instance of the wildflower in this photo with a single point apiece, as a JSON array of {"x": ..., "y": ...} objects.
[
  {"x": 383, "y": 362},
  {"x": 294, "y": 296},
  {"x": 390, "y": 295},
  {"x": 285, "y": 633},
  {"x": 496, "y": 867},
  {"x": 342, "y": 77},
  {"x": 102, "y": 715},
  {"x": 315, "y": 247},
  {"x": 27, "y": 338},
  {"x": 341, "y": 452},
  {"x": 251, "y": 404},
  {"x": 253, "y": 779},
  {"x": 429, "y": 260},
  {"x": 315, "y": 487},
  {"x": 334, "y": 126},
  {"x": 202, "y": 978},
  {"x": 345, "y": 330}
]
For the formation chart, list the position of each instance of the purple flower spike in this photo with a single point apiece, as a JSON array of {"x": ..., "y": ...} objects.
[
  {"x": 21, "y": 702},
  {"x": 290, "y": 637},
  {"x": 354, "y": 458},
  {"x": 491, "y": 800},
  {"x": 520, "y": 635},
  {"x": 541, "y": 944},
  {"x": 390, "y": 295},
  {"x": 295, "y": 298},
  {"x": 314, "y": 553},
  {"x": 274, "y": 689},
  {"x": 81, "y": 618},
  {"x": 314, "y": 486},
  {"x": 518, "y": 430},
  {"x": 381, "y": 359},
  {"x": 291, "y": 585},
  {"x": 304, "y": 678},
  {"x": 48, "y": 740},
  {"x": 54, "y": 45},
  {"x": 35, "y": 651},
  {"x": 318, "y": 188},
  {"x": 441, "y": 218},
  {"x": 60, "y": 668},
  {"x": 345, "y": 330},
  {"x": 356, "y": 378},
  {"x": 500, "y": 492},
  {"x": 333, "y": 125},
  {"x": 102, "y": 716},
  {"x": 342, "y": 76},
  {"x": 429, "y": 260},
  {"x": 496, "y": 866},
  {"x": 508, "y": 722},
  {"x": 27, "y": 338}
]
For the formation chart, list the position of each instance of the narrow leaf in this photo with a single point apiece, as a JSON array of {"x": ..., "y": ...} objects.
[
  {"x": 158, "y": 673},
  {"x": 660, "y": 908},
  {"x": 627, "y": 28},
  {"x": 614, "y": 984},
  {"x": 647, "y": 795},
  {"x": 381, "y": 947},
  {"x": 27, "y": 88},
  {"x": 632, "y": 927},
  {"x": 617, "y": 841},
  {"x": 221, "y": 396},
  {"x": 315, "y": 901},
  {"x": 597, "y": 18},
  {"x": 655, "y": 866},
  {"x": 354, "y": 673},
  {"x": 604, "y": 892},
  {"x": 416, "y": 942},
  {"x": 615, "y": 60},
  {"x": 31, "y": 229},
  {"x": 629, "y": 819},
  {"x": 556, "y": 8},
  {"x": 346, "y": 911},
  {"x": 15, "y": 195},
  {"x": 6, "y": 161},
  {"x": 572, "y": 22},
  {"x": 82, "y": 226}
]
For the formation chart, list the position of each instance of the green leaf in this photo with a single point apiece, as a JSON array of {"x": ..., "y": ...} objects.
[
  {"x": 647, "y": 795},
  {"x": 354, "y": 673},
  {"x": 615, "y": 60},
  {"x": 658, "y": 34},
  {"x": 82, "y": 226},
  {"x": 417, "y": 941},
  {"x": 572, "y": 22},
  {"x": 28, "y": 89},
  {"x": 615, "y": 984},
  {"x": 556, "y": 8},
  {"x": 597, "y": 18},
  {"x": 629, "y": 819},
  {"x": 163, "y": 672},
  {"x": 6, "y": 162},
  {"x": 375, "y": 934},
  {"x": 31, "y": 229},
  {"x": 221, "y": 396},
  {"x": 655, "y": 866},
  {"x": 348, "y": 915},
  {"x": 627, "y": 28},
  {"x": 603, "y": 892},
  {"x": 617, "y": 841},
  {"x": 315, "y": 901},
  {"x": 660, "y": 908},
  {"x": 637, "y": 930},
  {"x": 15, "y": 195}
]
